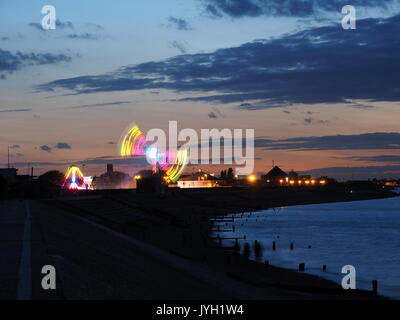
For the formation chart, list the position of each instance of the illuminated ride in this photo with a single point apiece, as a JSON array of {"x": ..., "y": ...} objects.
[
  {"x": 171, "y": 162},
  {"x": 75, "y": 180}
]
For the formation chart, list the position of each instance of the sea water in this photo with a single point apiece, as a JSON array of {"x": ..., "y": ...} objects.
[{"x": 364, "y": 234}]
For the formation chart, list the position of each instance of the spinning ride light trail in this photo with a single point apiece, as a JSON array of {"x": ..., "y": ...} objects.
[
  {"x": 172, "y": 162},
  {"x": 133, "y": 143},
  {"x": 75, "y": 180}
]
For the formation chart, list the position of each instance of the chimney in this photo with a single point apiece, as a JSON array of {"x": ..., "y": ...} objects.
[{"x": 110, "y": 169}]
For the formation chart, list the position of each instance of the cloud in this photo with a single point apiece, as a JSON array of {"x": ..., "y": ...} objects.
[
  {"x": 356, "y": 173},
  {"x": 212, "y": 115},
  {"x": 311, "y": 120},
  {"x": 97, "y": 105},
  {"x": 62, "y": 145},
  {"x": 59, "y": 25},
  {"x": 82, "y": 36},
  {"x": 94, "y": 26},
  {"x": 216, "y": 113},
  {"x": 178, "y": 45},
  {"x": 319, "y": 65},
  {"x": 379, "y": 158},
  {"x": 17, "y": 36},
  {"x": 64, "y": 25},
  {"x": 290, "y": 8},
  {"x": 260, "y": 105},
  {"x": 15, "y": 110},
  {"x": 361, "y": 105},
  {"x": 15, "y": 146},
  {"x": 134, "y": 162},
  {"x": 10, "y": 62},
  {"x": 45, "y": 148},
  {"x": 365, "y": 141},
  {"x": 179, "y": 23}
]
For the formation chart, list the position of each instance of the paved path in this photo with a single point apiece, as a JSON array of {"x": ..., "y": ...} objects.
[{"x": 94, "y": 262}]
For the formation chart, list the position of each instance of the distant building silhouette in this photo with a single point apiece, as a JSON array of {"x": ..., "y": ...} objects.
[
  {"x": 110, "y": 169},
  {"x": 112, "y": 179},
  {"x": 276, "y": 176},
  {"x": 199, "y": 179},
  {"x": 9, "y": 174}
]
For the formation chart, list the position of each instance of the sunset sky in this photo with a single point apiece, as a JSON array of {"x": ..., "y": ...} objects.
[{"x": 321, "y": 99}]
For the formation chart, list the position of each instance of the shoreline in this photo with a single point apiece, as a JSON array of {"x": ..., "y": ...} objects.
[
  {"x": 178, "y": 223},
  {"x": 319, "y": 280}
]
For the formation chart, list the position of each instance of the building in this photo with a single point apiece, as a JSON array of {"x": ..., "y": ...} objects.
[
  {"x": 10, "y": 174},
  {"x": 276, "y": 177},
  {"x": 390, "y": 183},
  {"x": 198, "y": 179}
]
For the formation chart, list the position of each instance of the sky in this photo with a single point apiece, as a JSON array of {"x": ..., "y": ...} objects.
[{"x": 322, "y": 100}]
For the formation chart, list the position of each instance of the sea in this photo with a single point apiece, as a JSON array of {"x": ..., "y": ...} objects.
[{"x": 362, "y": 234}]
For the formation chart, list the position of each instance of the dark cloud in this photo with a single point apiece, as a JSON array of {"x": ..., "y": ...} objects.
[
  {"x": 64, "y": 25},
  {"x": 311, "y": 120},
  {"x": 45, "y": 148},
  {"x": 111, "y": 142},
  {"x": 379, "y": 158},
  {"x": 36, "y": 25},
  {"x": 62, "y": 145},
  {"x": 59, "y": 24},
  {"x": 17, "y": 36},
  {"x": 178, "y": 45},
  {"x": 366, "y": 141},
  {"x": 212, "y": 115},
  {"x": 10, "y": 62},
  {"x": 260, "y": 105},
  {"x": 97, "y": 105},
  {"x": 83, "y": 36},
  {"x": 15, "y": 146},
  {"x": 362, "y": 106},
  {"x": 320, "y": 65},
  {"x": 15, "y": 110},
  {"x": 356, "y": 173},
  {"x": 94, "y": 26},
  {"x": 179, "y": 23},
  {"x": 295, "y": 8}
]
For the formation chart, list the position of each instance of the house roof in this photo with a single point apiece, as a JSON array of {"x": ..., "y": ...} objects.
[{"x": 276, "y": 172}]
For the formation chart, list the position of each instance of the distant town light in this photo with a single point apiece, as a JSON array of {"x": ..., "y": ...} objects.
[
  {"x": 322, "y": 182},
  {"x": 138, "y": 177},
  {"x": 292, "y": 182},
  {"x": 252, "y": 178}
]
